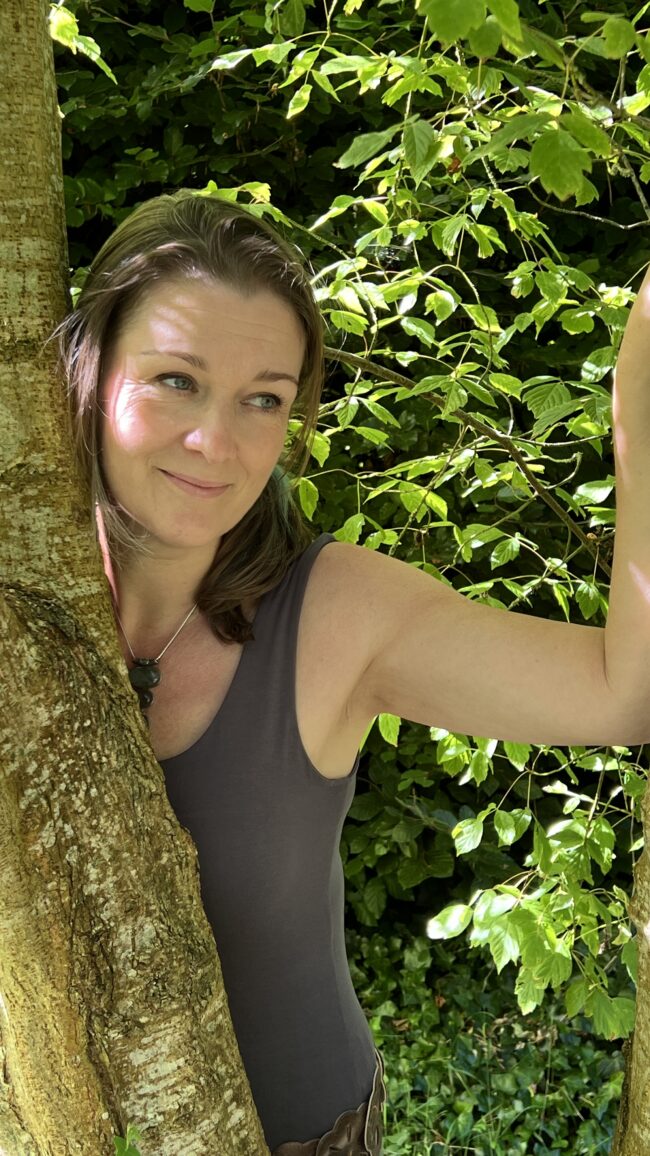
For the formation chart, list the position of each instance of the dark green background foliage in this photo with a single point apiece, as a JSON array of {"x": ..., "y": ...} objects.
[{"x": 466, "y": 178}]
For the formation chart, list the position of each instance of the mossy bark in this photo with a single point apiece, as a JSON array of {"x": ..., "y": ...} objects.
[
  {"x": 633, "y": 1126},
  {"x": 112, "y": 1005}
]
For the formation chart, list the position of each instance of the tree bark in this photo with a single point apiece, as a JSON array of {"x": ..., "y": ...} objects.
[
  {"x": 112, "y": 1005},
  {"x": 633, "y": 1125}
]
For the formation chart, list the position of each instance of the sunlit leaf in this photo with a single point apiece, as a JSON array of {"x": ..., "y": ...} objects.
[
  {"x": 451, "y": 921},
  {"x": 451, "y": 20},
  {"x": 560, "y": 163}
]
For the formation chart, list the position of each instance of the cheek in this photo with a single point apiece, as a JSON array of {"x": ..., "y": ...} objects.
[
  {"x": 133, "y": 423},
  {"x": 262, "y": 440}
]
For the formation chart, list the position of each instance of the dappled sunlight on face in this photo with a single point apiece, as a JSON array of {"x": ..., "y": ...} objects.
[{"x": 200, "y": 383}]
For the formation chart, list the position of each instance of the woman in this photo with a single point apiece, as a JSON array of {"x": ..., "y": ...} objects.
[{"x": 259, "y": 657}]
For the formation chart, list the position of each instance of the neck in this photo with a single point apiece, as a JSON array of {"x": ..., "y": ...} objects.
[{"x": 152, "y": 595}]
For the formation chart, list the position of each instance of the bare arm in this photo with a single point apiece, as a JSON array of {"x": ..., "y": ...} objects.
[
  {"x": 627, "y": 634},
  {"x": 435, "y": 657}
]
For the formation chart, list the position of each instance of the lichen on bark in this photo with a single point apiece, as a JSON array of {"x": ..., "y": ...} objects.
[{"x": 112, "y": 1004}]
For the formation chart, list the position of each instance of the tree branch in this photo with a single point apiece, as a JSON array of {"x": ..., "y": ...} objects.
[{"x": 470, "y": 419}]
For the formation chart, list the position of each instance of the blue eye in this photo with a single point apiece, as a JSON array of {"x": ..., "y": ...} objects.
[
  {"x": 163, "y": 377},
  {"x": 273, "y": 398}
]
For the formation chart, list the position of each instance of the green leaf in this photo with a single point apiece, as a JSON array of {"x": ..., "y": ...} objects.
[
  {"x": 507, "y": 14},
  {"x": 199, "y": 5},
  {"x": 351, "y": 529},
  {"x": 365, "y": 146},
  {"x": 588, "y": 598},
  {"x": 325, "y": 83},
  {"x": 127, "y": 1147},
  {"x": 299, "y": 100},
  {"x": 629, "y": 956},
  {"x": 277, "y": 52},
  {"x": 613, "y": 1018},
  {"x": 308, "y": 496},
  {"x": 576, "y": 996},
  {"x": 366, "y": 806},
  {"x": 421, "y": 147},
  {"x": 556, "y": 416},
  {"x": 503, "y": 943},
  {"x": 545, "y": 46},
  {"x": 349, "y": 298},
  {"x": 506, "y": 383},
  {"x": 479, "y": 767},
  {"x": 451, "y": 921},
  {"x": 451, "y": 20},
  {"x": 65, "y": 30},
  {"x": 559, "y": 162},
  {"x": 467, "y": 835},
  {"x": 546, "y": 395},
  {"x": 552, "y": 286},
  {"x": 555, "y": 967},
  {"x": 483, "y": 317},
  {"x": 485, "y": 41},
  {"x": 456, "y": 398},
  {"x": 529, "y": 993},
  {"x": 576, "y": 320},
  {"x": 381, "y": 413},
  {"x": 518, "y": 754},
  {"x": 346, "y": 411},
  {"x": 375, "y": 436},
  {"x": 389, "y": 725},
  {"x": 490, "y": 906},
  {"x": 374, "y": 898},
  {"x": 292, "y": 18},
  {"x": 601, "y": 841},
  {"x": 504, "y": 552},
  {"x": 412, "y": 872},
  {"x": 511, "y": 825},
  {"x": 587, "y": 133},
  {"x": 230, "y": 60},
  {"x": 599, "y": 362},
  {"x": 618, "y": 35},
  {"x": 319, "y": 447},
  {"x": 442, "y": 302},
  {"x": 423, "y": 330},
  {"x": 348, "y": 321}
]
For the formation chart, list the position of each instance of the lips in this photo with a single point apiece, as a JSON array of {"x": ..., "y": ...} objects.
[
  {"x": 197, "y": 490},
  {"x": 196, "y": 481}
]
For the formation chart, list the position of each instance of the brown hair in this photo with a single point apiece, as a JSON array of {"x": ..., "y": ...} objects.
[{"x": 188, "y": 234}]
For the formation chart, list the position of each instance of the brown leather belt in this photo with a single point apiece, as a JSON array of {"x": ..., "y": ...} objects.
[{"x": 358, "y": 1133}]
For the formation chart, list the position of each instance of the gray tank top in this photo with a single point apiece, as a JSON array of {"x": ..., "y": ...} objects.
[{"x": 267, "y": 827}]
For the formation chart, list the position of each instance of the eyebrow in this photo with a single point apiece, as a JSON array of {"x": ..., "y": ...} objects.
[{"x": 199, "y": 363}]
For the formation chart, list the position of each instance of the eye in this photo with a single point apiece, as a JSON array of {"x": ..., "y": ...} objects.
[
  {"x": 272, "y": 402},
  {"x": 182, "y": 377}
]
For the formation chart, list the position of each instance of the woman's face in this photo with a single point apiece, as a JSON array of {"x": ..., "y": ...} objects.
[{"x": 199, "y": 383}]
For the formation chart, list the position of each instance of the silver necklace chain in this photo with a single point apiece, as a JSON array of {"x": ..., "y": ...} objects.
[{"x": 187, "y": 617}]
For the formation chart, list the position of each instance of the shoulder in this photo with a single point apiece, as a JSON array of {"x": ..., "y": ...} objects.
[
  {"x": 346, "y": 571},
  {"x": 357, "y": 592},
  {"x": 357, "y": 602}
]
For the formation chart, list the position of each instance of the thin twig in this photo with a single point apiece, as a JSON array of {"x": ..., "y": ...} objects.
[
  {"x": 625, "y": 161},
  {"x": 589, "y": 216},
  {"x": 356, "y": 362}
]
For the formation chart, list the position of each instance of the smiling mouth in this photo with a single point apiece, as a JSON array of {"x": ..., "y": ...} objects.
[{"x": 196, "y": 487}]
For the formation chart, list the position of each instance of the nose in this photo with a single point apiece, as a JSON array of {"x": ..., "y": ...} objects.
[{"x": 213, "y": 435}]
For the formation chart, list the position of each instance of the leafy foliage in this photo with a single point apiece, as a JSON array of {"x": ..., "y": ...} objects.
[
  {"x": 467, "y": 1073},
  {"x": 467, "y": 181},
  {"x": 127, "y": 1146}
]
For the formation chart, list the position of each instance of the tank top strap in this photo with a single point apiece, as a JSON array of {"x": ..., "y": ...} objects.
[{"x": 278, "y": 615}]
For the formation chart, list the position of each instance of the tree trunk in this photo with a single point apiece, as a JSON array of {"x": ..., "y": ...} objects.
[
  {"x": 112, "y": 1006},
  {"x": 633, "y": 1125}
]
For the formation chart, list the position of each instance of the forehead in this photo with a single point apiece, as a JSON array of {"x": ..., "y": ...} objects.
[{"x": 207, "y": 311}]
